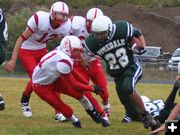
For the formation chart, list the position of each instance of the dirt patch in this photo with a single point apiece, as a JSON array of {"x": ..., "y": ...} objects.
[{"x": 161, "y": 26}]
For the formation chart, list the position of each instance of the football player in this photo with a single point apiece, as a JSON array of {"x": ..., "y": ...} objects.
[
  {"x": 168, "y": 106},
  {"x": 110, "y": 41},
  {"x": 3, "y": 36},
  {"x": 46, "y": 79},
  {"x": 92, "y": 69},
  {"x": 3, "y": 42},
  {"x": 30, "y": 47},
  {"x": 175, "y": 112}
]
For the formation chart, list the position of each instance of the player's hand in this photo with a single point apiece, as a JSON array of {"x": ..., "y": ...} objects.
[
  {"x": 10, "y": 66},
  {"x": 160, "y": 129},
  {"x": 98, "y": 90},
  {"x": 138, "y": 50}
]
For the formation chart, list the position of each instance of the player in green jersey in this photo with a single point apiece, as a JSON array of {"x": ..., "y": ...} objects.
[
  {"x": 112, "y": 43},
  {"x": 3, "y": 36},
  {"x": 3, "y": 41}
]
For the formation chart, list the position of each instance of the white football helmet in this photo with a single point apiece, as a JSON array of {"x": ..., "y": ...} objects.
[
  {"x": 93, "y": 13},
  {"x": 90, "y": 16},
  {"x": 70, "y": 44},
  {"x": 59, "y": 12},
  {"x": 145, "y": 99},
  {"x": 102, "y": 27}
]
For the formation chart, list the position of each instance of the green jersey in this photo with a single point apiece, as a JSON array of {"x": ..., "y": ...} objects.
[
  {"x": 115, "y": 51},
  {"x": 3, "y": 29},
  {"x": 3, "y": 36}
]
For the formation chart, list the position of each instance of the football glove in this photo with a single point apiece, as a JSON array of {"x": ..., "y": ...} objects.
[{"x": 97, "y": 89}]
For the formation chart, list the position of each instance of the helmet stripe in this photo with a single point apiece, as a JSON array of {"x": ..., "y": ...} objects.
[
  {"x": 36, "y": 19},
  {"x": 62, "y": 6},
  {"x": 52, "y": 8},
  {"x": 95, "y": 13}
]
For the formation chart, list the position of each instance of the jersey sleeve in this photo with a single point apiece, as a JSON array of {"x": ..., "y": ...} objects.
[
  {"x": 32, "y": 23},
  {"x": 78, "y": 85},
  {"x": 136, "y": 32},
  {"x": 124, "y": 29},
  {"x": 64, "y": 66},
  {"x": 90, "y": 44},
  {"x": 67, "y": 28}
]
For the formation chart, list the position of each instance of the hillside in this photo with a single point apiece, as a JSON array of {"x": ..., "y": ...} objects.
[{"x": 161, "y": 26}]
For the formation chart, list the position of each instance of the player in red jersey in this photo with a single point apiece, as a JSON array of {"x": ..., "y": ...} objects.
[{"x": 30, "y": 47}]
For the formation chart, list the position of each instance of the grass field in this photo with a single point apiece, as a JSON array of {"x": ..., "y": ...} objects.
[{"x": 42, "y": 123}]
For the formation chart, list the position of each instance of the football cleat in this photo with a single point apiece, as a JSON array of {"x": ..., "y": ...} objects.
[
  {"x": 26, "y": 109},
  {"x": 94, "y": 115},
  {"x": 59, "y": 117},
  {"x": 77, "y": 124},
  {"x": 105, "y": 121},
  {"x": 126, "y": 119}
]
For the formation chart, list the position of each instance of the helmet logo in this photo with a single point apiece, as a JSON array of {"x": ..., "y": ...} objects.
[{"x": 67, "y": 44}]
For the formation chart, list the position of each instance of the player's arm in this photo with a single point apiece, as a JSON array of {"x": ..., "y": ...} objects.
[
  {"x": 10, "y": 65},
  {"x": 32, "y": 26},
  {"x": 79, "y": 77},
  {"x": 82, "y": 87},
  {"x": 65, "y": 68},
  {"x": 172, "y": 116},
  {"x": 137, "y": 33},
  {"x": 137, "y": 42}
]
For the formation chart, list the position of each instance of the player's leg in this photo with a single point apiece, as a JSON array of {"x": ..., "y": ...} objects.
[
  {"x": 48, "y": 94},
  {"x": 132, "y": 112},
  {"x": 2, "y": 58},
  {"x": 67, "y": 89},
  {"x": 82, "y": 76},
  {"x": 29, "y": 60},
  {"x": 135, "y": 71},
  {"x": 93, "y": 101},
  {"x": 98, "y": 77},
  {"x": 133, "y": 99},
  {"x": 169, "y": 103}
]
